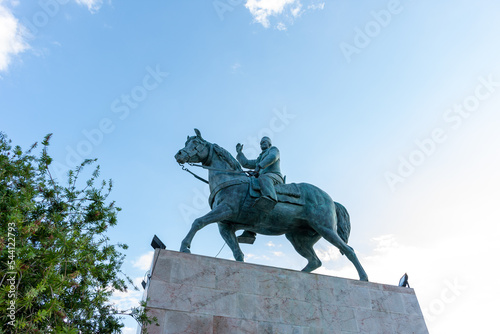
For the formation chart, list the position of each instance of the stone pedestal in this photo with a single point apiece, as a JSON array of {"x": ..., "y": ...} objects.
[{"x": 198, "y": 294}]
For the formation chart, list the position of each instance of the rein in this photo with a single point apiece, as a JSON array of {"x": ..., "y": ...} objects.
[
  {"x": 249, "y": 172},
  {"x": 190, "y": 172}
]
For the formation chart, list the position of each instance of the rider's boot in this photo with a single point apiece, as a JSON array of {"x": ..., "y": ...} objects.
[{"x": 268, "y": 199}]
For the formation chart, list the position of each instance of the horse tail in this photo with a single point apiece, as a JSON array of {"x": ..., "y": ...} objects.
[{"x": 343, "y": 222}]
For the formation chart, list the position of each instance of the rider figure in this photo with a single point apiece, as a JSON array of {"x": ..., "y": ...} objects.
[{"x": 267, "y": 165}]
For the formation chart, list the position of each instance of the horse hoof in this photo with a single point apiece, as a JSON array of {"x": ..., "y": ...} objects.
[
  {"x": 311, "y": 266},
  {"x": 185, "y": 250},
  {"x": 364, "y": 279}
]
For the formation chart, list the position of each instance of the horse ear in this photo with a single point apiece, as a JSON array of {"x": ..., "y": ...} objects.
[
  {"x": 188, "y": 138},
  {"x": 198, "y": 133}
]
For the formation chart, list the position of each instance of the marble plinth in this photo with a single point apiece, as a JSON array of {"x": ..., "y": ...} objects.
[{"x": 198, "y": 294}]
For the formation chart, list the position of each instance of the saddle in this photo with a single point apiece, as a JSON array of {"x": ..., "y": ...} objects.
[{"x": 286, "y": 193}]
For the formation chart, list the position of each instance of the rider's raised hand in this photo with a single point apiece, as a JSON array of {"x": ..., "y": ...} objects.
[{"x": 239, "y": 148}]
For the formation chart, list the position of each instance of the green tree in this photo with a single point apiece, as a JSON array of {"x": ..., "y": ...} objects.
[{"x": 57, "y": 268}]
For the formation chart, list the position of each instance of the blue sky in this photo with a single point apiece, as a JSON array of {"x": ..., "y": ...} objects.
[{"x": 389, "y": 106}]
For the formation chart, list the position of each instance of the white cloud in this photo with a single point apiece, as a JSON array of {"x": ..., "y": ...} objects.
[
  {"x": 286, "y": 10},
  {"x": 13, "y": 34},
  {"x": 270, "y": 244},
  {"x": 144, "y": 261},
  {"x": 12, "y": 37},
  {"x": 124, "y": 301},
  {"x": 263, "y": 9},
  {"x": 319, "y": 6},
  {"x": 327, "y": 252},
  {"x": 281, "y": 26},
  {"x": 92, "y": 5},
  {"x": 235, "y": 67},
  {"x": 129, "y": 330},
  {"x": 386, "y": 263},
  {"x": 254, "y": 257},
  {"x": 297, "y": 10}
]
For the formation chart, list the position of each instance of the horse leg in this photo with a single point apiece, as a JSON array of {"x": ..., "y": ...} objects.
[
  {"x": 219, "y": 213},
  {"x": 303, "y": 244},
  {"x": 227, "y": 232},
  {"x": 332, "y": 237}
]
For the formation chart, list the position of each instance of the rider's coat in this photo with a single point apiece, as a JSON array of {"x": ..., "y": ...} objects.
[{"x": 268, "y": 161}]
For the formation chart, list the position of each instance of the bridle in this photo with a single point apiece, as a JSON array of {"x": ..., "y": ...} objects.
[{"x": 197, "y": 151}]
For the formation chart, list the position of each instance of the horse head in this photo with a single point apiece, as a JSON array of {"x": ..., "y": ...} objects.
[{"x": 196, "y": 149}]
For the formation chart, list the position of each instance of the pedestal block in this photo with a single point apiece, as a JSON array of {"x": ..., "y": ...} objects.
[{"x": 204, "y": 295}]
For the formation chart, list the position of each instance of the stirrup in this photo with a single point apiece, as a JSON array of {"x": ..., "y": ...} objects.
[{"x": 246, "y": 238}]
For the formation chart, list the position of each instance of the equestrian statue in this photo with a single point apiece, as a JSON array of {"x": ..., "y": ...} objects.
[{"x": 259, "y": 201}]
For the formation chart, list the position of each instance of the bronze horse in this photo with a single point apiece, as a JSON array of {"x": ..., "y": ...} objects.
[{"x": 303, "y": 225}]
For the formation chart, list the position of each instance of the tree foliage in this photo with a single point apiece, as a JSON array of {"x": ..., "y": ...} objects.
[{"x": 53, "y": 244}]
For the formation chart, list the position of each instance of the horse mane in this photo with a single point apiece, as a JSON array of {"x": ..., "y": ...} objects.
[{"x": 227, "y": 157}]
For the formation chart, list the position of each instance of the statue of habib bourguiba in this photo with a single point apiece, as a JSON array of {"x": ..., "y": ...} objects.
[{"x": 260, "y": 202}]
